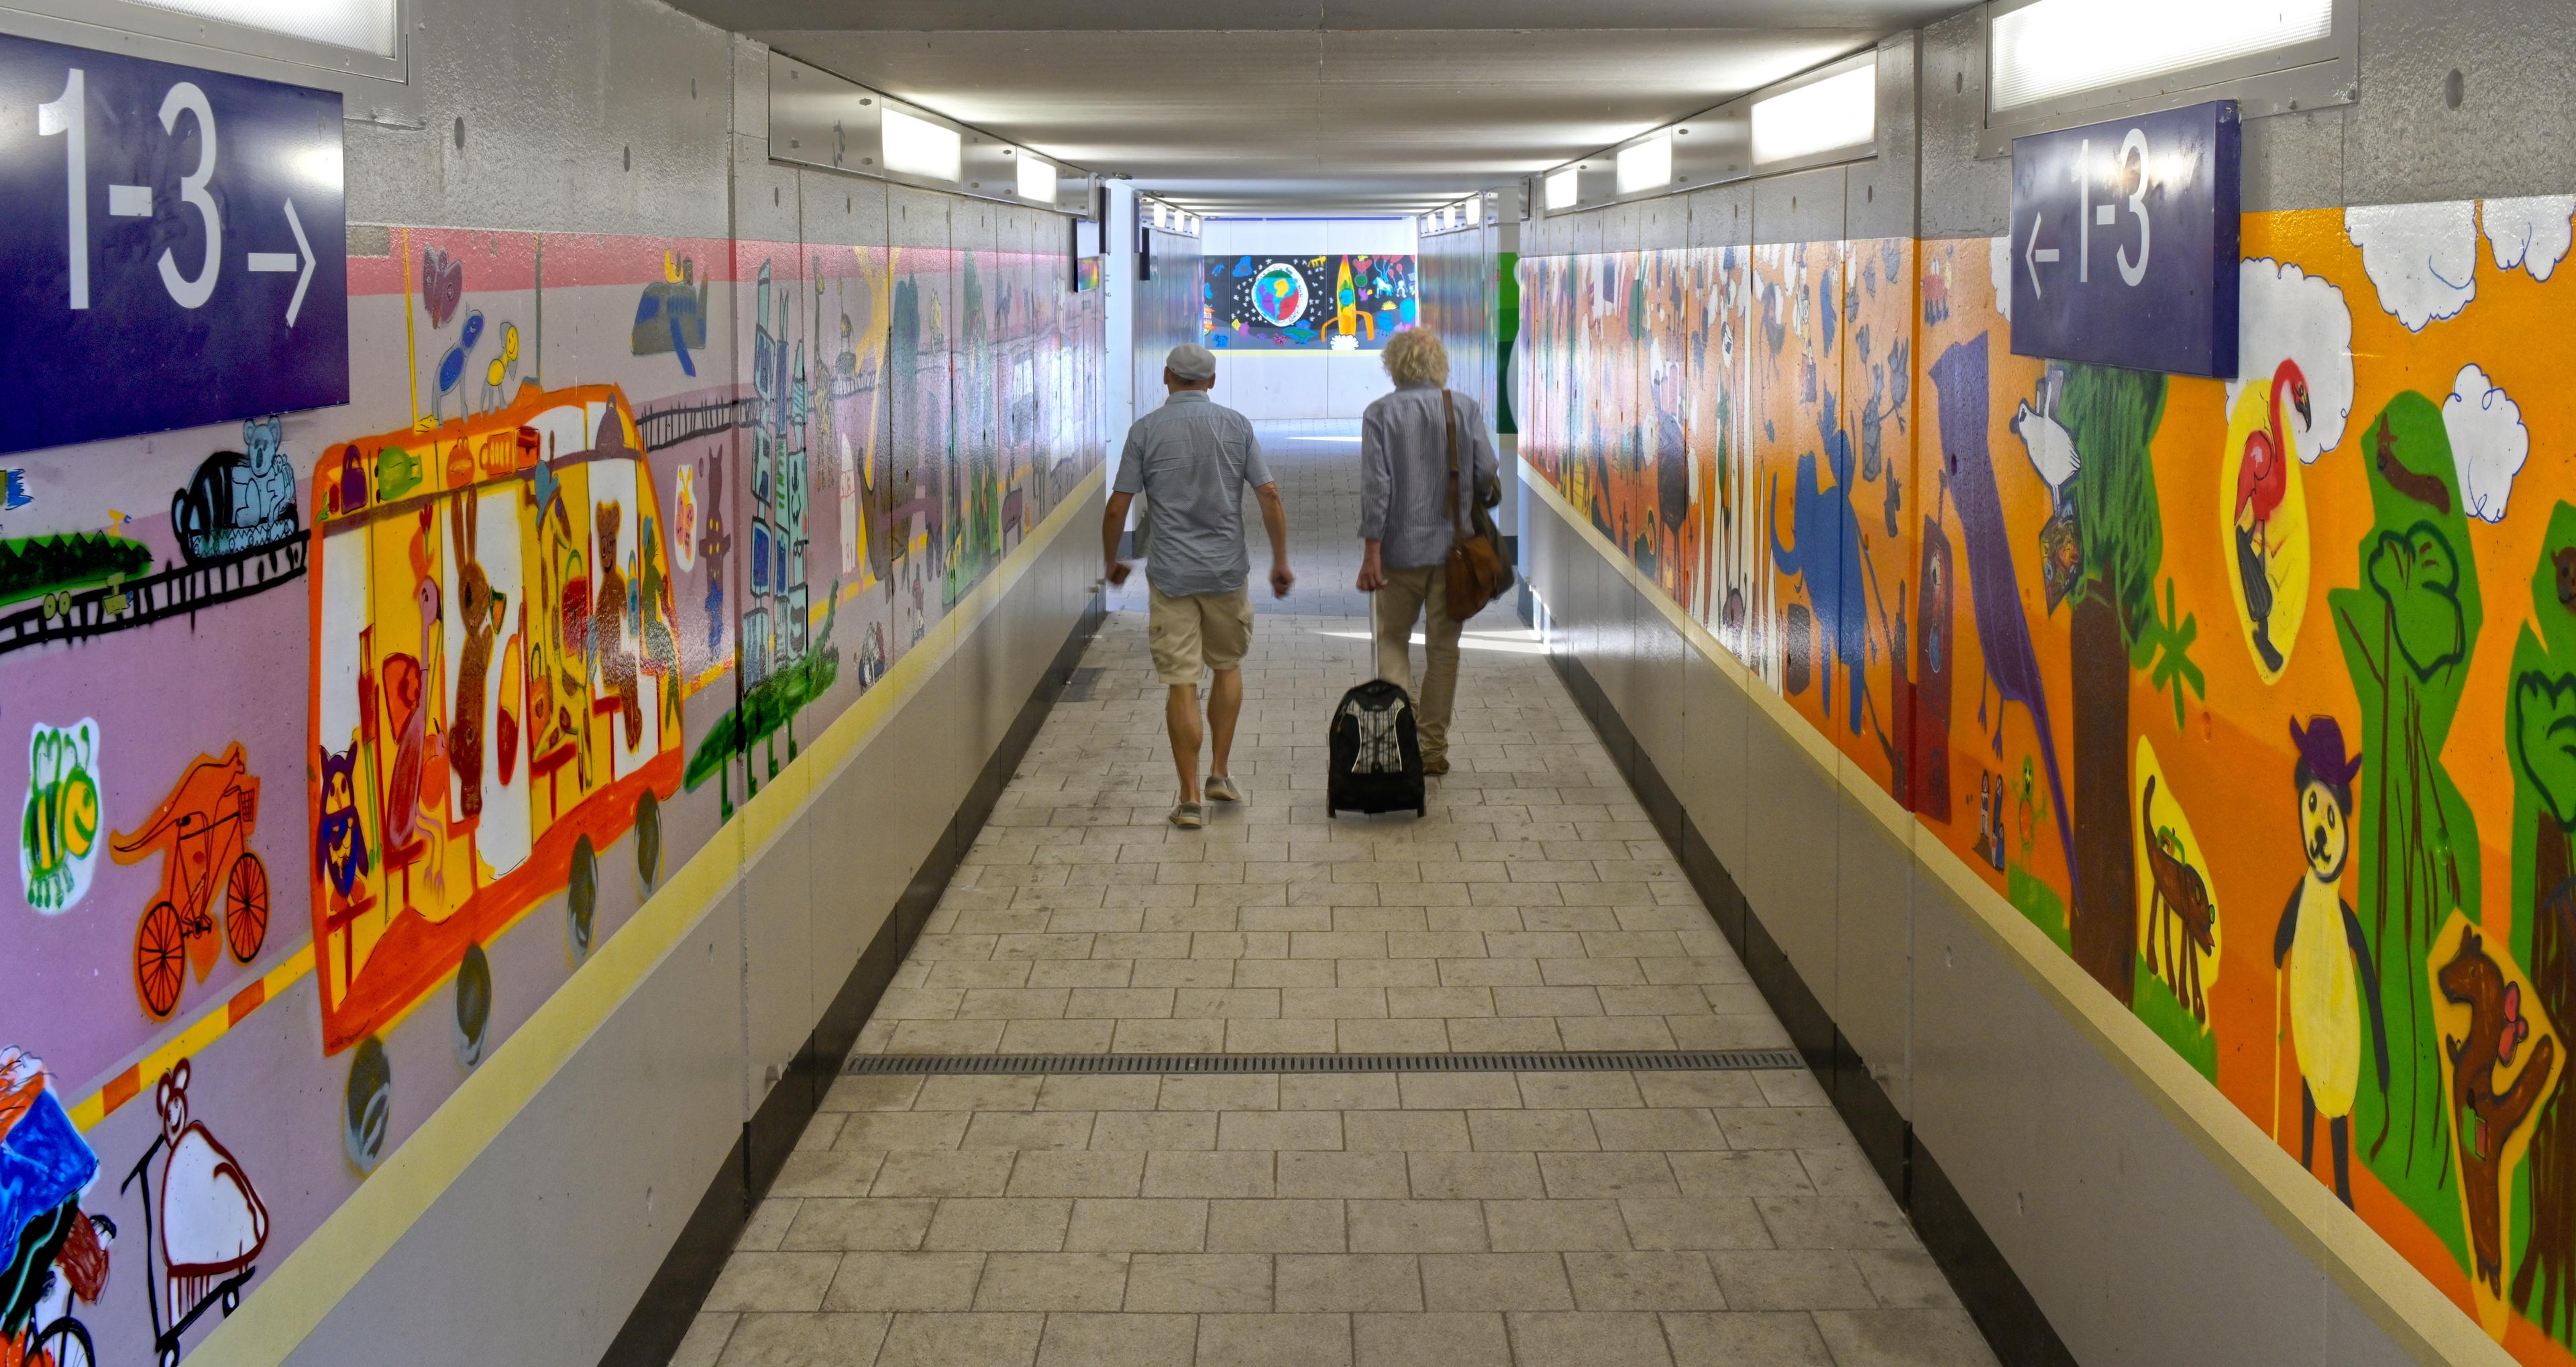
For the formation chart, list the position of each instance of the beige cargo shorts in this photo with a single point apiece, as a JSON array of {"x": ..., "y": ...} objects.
[{"x": 1198, "y": 631}]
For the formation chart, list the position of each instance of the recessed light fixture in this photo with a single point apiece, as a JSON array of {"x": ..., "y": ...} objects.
[
  {"x": 360, "y": 25},
  {"x": 1830, "y": 115},
  {"x": 919, "y": 147},
  {"x": 1561, "y": 189},
  {"x": 1646, "y": 165},
  {"x": 1037, "y": 179},
  {"x": 2063, "y": 47}
]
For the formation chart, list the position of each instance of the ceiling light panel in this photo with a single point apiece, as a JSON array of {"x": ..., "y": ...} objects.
[
  {"x": 360, "y": 25},
  {"x": 1037, "y": 179},
  {"x": 2063, "y": 47},
  {"x": 1647, "y": 165},
  {"x": 1562, "y": 187},
  {"x": 1838, "y": 113},
  {"x": 919, "y": 147}
]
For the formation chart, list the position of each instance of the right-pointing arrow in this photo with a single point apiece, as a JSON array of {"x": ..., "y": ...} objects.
[{"x": 281, "y": 262}]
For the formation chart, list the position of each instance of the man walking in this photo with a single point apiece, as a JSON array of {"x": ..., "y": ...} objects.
[{"x": 1191, "y": 459}]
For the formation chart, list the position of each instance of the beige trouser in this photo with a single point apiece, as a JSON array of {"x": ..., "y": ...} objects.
[{"x": 1410, "y": 594}]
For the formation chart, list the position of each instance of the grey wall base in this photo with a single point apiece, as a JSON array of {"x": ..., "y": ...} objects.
[
  {"x": 2076, "y": 1219},
  {"x": 662, "y": 1316}
]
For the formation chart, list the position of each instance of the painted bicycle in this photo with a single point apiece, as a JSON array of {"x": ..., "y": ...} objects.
[{"x": 202, "y": 830}]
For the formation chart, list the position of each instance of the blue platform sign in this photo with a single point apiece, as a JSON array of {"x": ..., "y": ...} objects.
[
  {"x": 2124, "y": 242},
  {"x": 176, "y": 246}
]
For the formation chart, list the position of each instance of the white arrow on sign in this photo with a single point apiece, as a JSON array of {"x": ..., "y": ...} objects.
[
  {"x": 2036, "y": 254},
  {"x": 280, "y": 262}
]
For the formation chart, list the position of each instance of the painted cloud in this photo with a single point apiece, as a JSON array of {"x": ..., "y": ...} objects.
[
  {"x": 2285, "y": 313},
  {"x": 2532, "y": 233},
  {"x": 2488, "y": 442},
  {"x": 1999, "y": 265},
  {"x": 2423, "y": 257}
]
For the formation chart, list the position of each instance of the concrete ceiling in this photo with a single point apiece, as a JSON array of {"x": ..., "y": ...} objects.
[{"x": 1317, "y": 106}]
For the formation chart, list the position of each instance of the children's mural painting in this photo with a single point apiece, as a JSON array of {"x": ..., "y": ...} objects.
[
  {"x": 2311, "y": 821},
  {"x": 517, "y": 632}
]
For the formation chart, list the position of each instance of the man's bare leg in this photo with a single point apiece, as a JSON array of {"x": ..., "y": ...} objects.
[
  {"x": 1181, "y": 718},
  {"x": 1225, "y": 704}
]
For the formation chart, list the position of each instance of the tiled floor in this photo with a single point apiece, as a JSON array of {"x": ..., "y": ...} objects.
[{"x": 1420, "y": 1220}]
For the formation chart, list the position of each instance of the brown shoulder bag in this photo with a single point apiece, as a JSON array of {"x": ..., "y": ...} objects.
[{"x": 1477, "y": 572}]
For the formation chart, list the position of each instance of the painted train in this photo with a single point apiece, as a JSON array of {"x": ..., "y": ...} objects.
[{"x": 495, "y": 689}]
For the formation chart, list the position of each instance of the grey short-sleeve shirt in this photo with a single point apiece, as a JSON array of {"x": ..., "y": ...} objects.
[{"x": 1192, "y": 460}]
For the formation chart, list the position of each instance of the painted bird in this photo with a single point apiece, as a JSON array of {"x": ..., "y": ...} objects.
[
  {"x": 2262, "y": 480},
  {"x": 2003, "y": 633},
  {"x": 2052, "y": 452}
]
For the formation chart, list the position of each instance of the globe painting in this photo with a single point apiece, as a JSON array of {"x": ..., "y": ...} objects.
[{"x": 1279, "y": 294}]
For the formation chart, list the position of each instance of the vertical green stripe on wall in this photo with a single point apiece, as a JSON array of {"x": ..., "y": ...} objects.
[{"x": 1507, "y": 330}]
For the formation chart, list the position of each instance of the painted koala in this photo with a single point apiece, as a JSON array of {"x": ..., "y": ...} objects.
[{"x": 2321, "y": 947}]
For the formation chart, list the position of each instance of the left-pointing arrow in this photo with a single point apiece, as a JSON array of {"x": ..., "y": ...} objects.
[{"x": 281, "y": 262}]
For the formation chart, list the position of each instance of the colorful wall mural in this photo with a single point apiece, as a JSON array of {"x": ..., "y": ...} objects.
[
  {"x": 1333, "y": 302},
  {"x": 2311, "y": 821},
  {"x": 339, "y": 741}
]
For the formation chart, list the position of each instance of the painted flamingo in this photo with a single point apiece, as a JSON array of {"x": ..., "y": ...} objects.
[{"x": 2262, "y": 479}]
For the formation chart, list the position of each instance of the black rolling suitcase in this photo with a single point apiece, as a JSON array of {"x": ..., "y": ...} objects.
[{"x": 1376, "y": 757}]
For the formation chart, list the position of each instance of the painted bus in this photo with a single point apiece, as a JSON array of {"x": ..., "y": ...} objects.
[{"x": 494, "y": 692}]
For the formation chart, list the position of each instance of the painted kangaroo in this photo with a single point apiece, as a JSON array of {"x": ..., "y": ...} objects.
[
  {"x": 2483, "y": 1119},
  {"x": 1827, "y": 556},
  {"x": 2181, "y": 895},
  {"x": 484, "y": 614}
]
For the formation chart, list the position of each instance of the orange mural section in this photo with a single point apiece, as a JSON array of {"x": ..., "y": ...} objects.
[{"x": 2257, "y": 696}]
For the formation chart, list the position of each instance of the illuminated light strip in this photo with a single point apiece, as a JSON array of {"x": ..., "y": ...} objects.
[{"x": 201, "y": 1032}]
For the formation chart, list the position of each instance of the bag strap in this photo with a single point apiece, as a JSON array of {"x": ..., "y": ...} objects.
[{"x": 1449, "y": 411}]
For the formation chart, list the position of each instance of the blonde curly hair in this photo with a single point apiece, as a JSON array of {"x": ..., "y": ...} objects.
[{"x": 1416, "y": 356}]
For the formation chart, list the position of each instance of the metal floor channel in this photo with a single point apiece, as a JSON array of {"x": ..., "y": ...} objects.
[{"x": 1588, "y": 1061}]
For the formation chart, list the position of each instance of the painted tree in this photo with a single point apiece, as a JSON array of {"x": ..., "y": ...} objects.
[
  {"x": 2112, "y": 414},
  {"x": 2540, "y": 731},
  {"x": 2407, "y": 626}
]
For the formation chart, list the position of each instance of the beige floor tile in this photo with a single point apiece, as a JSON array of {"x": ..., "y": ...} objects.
[
  {"x": 705, "y": 1340},
  {"x": 1154, "y": 1130},
  {"x": 1836, "y": 1222},
  {"x": 836, "y": 1223},
  {"x": 1782, "y": 1127},
  {"x": 1122, "y": 1225},
  {"x": 1657, "y": 1129},
  {"x": 952, "y": 1340},
  {"x": 1196, "y": 1092},
  {"x": 805, "y": 1340},
  {"x": 1475, "y": 1176},
  {"x": 1615, "y": 1032},
  {"x": 1425, "y": 1036},
  {"x": 944, "y": 1172},
  {"x": 1016, "y": 1224},
  {"x": 827, "y": 1172},
  {"x": 1057, "y": 1036},
  {"x": 1431, "y": 1340},
  {"x": 1275, "y": 1226},
  {"x": 1900, "y": 1338},
  {"x": 1499, "y": 1035},
  {"x": 1199, "y": 1282},
  {"x": 1029, "y": 1130},
  {"x": 1348, "y": 1281},
  {"x": 871, "y": 1093},
  {"x": 1905, "y": 1279},
  {"x": 903, "y": 1130},
  {"x": 1458, "y": 1091},
  {"x": 1584, "y": 1091},
  {"x": 773, "y": 1281},
  {"x": 1694, "y": 1222},
  {"x": 1495, "y": 1281},
  {"x": 1309, "y": 1340},
  {"x": 1210, "y": 1174},
  {"x": 1123, "y": 1340},
  {"x": 1706, "y": 1089},
  {"x": 1417, "y": 1227},
  {"x": 1531, "y": 1131},
  {"x": 1053, "y": 1281},
  {"x": 1316, "y": 1173},
  {"x": 1791, "y": 1279},
  {"x": 1338, "y": 1092},
  {"x": 973, "y": 1093},
  {"x": 1643, "y": 1281},
  {"x": 1548, "y": 1226},
  {"x": 768, "y": 1225},
  {"x": 1405, "y": 1131},
  {"x": 1742, "y": 1338},
  {"x": 1170, "y": 1036},
  {"x": 1545, "y": 1339},
  {"x": 1761, "y": 1172},
  {"x": 1078, "y": 1173},
  {"x": 905, "y": 1281},
  {"x": 1079, "y": 1093},
  {"x": 1278, "y": 1130}
]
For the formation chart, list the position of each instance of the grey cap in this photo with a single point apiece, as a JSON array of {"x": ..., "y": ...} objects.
[{"x": 1192, "y": 362}]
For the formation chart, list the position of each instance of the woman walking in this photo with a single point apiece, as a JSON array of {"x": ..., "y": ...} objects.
[{"x": 1413, "y": 442}]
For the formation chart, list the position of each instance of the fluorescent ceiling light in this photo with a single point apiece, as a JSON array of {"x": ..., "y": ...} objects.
[
  {"x": 1827, "y": 116},
  {"x": 362, "y": 25},
  {"x": 1560, "y": 189},
  {"x": 1646, "y": 165},
  {"x": 1037, "y": 178},
  {"x": 1162, "y": 215},
  {"x": 919, "y": 147},
  {"x": 2061, "y": 47}
]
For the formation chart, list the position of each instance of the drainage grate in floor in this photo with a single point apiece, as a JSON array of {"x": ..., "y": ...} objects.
[{"x": 1637, "y": 1061}]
